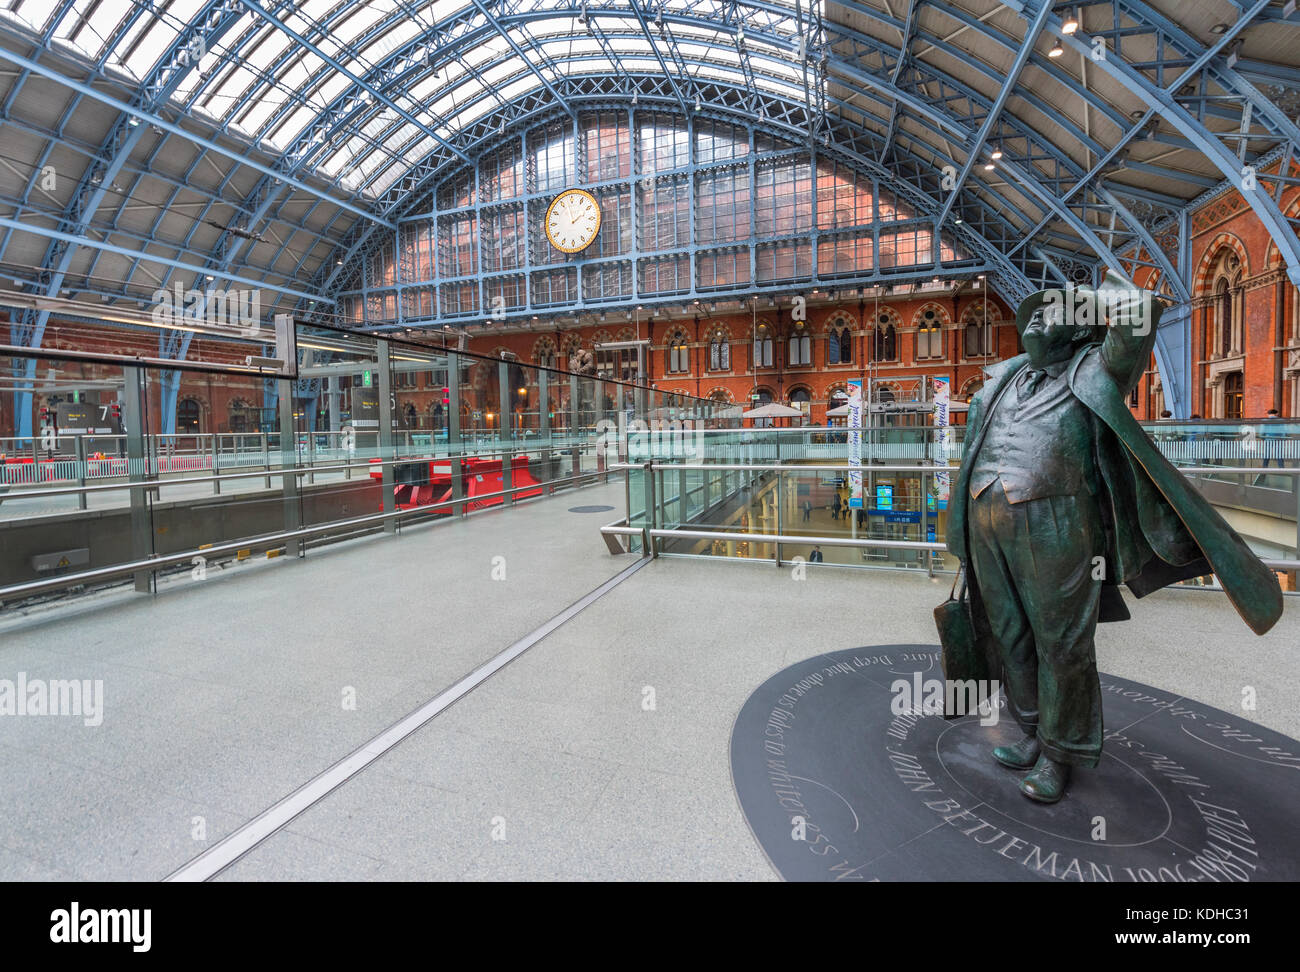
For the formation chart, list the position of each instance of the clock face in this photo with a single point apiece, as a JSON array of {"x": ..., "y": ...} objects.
[{"x": 572, "y": 220}]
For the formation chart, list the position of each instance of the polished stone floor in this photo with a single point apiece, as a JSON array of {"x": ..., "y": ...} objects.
[{"x": 601, "y": 753}]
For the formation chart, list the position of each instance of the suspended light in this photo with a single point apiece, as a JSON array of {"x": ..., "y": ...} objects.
[
  {"x": 957, "y": 221},
  {"x": 698, "y": 103},
  {"x": 997, "y": 154},
  {"x": 989, "y": 167},
  {"x": 133, "y": 121},
  {"x": 740, "y": 33},
  {"x": 1057, "y": 50},
  {"x": 1071, "y": 23}
]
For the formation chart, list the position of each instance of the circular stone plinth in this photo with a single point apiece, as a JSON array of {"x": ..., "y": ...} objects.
[
  {"x": 836, "y": 786},
  {"x": 590, "y": 509}
]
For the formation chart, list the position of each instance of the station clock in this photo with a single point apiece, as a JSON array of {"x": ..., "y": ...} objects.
[{"x": 572, "y": 220}]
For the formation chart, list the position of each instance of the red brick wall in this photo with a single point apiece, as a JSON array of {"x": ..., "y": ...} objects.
[{"x": 820, "y": 378}]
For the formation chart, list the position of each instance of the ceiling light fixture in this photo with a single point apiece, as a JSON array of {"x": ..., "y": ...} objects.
[
  {"x": 1071, "y": 23},
  {"x": 997, "y": 154},
  {"x": 1057, "y": 50}
]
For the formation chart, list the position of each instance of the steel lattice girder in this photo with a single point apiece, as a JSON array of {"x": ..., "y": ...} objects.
[
  {"x": 1076, "y": 224},
  {"x": 599, "y": 92},
  {"x": 1099, "y": 202}
]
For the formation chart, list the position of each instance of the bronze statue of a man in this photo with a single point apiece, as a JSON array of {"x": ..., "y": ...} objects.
[{"x": 1061, "y": 498}]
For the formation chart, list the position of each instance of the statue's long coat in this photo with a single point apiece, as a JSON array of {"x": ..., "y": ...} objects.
[{"x": 1159, "y": 529}]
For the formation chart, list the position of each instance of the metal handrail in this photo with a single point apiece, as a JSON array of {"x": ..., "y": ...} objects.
[
  {"x": 787, "y": 538},
  {"x": 269, "y": 540},
  {"x": 658, "y": 533},
  {"x": 872, "y": 467},
  {"x": 261, "y": 473},
  {"x": 779, "y": 467}
]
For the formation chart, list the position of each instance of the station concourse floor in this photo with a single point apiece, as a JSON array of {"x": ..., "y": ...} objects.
[{"x": 224, "y": 695}]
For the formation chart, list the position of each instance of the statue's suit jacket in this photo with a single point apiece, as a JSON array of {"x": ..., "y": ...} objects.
[{"x": 1159, "y": 529}]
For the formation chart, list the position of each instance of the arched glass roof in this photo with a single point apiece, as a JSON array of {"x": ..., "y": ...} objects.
[{"x": 283, "y": 144}]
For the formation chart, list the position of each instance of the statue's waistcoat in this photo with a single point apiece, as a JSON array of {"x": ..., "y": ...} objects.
[{"x": 1038, "y": 444}]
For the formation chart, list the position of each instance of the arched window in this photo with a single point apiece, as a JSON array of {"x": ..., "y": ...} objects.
[
  {"x": 800, "y": 345},
  {"x": 719, "y": 351},
  {"x": 801, "y": 399},
  {"x": 977, "y": 336},
  {"x": 240, "y": 417},
  {"x": 544, "y": 353},
  {"x": 1223, "y": 298},
  {"x": 929, "y": 335},
  {"x": 679, "y": 354},
  {"x": 763, "y": 347},
  {"x": 187, "y": 417},
  {"x": 1226, "y": 338},
  {"x": 886, "y": 342},
  {"x": 764, "y": 398},
  {"x": 839, "y": 344}
]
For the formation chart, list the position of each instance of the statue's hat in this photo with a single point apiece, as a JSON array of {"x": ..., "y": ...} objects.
[
  {"x": 1091, "y": 305},
  {"x": 1081, "y": 301}
]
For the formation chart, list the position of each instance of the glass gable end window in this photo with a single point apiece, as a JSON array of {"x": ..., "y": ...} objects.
[{"x": 684, "y": 204}]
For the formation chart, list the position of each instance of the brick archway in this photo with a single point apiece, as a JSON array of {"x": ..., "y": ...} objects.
[{"x": 1211, "y": 258}]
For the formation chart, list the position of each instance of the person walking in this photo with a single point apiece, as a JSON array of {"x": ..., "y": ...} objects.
[{"x": 1271, "y": 434}]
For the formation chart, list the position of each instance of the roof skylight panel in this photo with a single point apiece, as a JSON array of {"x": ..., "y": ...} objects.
[
  {"x": 354, "y": 26},
  {"x": 494, "y": 75},
  {"x": 150, "y": 46},
  {"x": 30, "y": 14},
  {"x": 401, "y": 33},
  {"x": 291, "y": 129},
  {"x": 103, "y": 24},
  {"x": 259, "y": 110}
]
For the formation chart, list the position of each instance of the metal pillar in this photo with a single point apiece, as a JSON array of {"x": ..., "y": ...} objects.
[
  {"x": 544, "y": 423},
  {"x": 387, "y": 451},
  {"x": 288, "y": 463},
  {"x": 453, "y": 434},
  {"x": 138, "y": 470},
  {"x": 505, "y": 429}
]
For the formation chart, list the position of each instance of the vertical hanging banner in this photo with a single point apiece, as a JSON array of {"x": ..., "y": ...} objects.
[
  {"x": 855, "y": 443},
  {"x": 943, "y": 438}
]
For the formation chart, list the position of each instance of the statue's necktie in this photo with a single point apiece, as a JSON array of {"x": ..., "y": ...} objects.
[{"x": 1033, "y": 378}]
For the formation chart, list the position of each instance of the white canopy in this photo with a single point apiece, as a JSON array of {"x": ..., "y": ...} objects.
[{"x": 772, "y": 410}]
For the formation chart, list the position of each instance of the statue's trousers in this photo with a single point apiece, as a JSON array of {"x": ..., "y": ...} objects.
[{"x": 1040, "y": 568}]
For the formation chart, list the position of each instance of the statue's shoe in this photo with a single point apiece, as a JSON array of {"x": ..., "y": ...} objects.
[
  {"x": 1047, "y": 782},
  {"x": 1021, "y": 755}
]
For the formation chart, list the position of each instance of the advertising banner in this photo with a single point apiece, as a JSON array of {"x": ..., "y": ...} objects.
[
  {"x": 855, "y": 443},
  {"x": 943, "y": 436}
]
